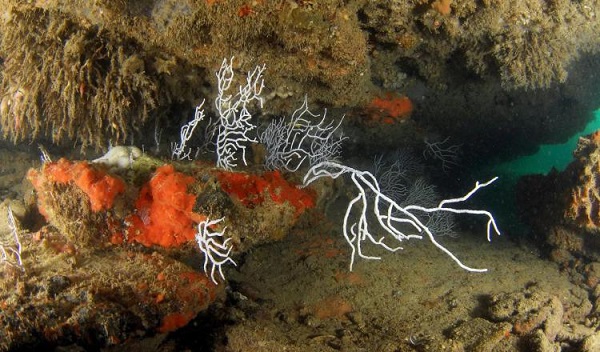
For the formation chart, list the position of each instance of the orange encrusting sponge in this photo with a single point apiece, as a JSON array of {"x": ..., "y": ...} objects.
[
  {"x": 251, "y": 189},
  {"x": 164, "y": 210},
  {"x": 190, "y": 290},
  {"x": 390, "y": 108},
  {"x": 100, "y": 187}
]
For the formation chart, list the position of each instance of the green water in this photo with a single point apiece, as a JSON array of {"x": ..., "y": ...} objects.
[
  {"x": 501, "y": 198},
  {"x": 548, "y": 156}
]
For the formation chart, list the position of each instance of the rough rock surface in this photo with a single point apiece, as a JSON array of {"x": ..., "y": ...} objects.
[
  {"x": 117, "y": 259},
  {"x": 91, "y": 72},
  {"x": 563, "y": 207}
]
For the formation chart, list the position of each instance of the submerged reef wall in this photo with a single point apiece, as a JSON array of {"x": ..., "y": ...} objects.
[
  {"x": 93, "y": 72},
  {"x": 69, "y": 80},
  {"x": 117, "y": 258},
  {"x": 525, "y": 44},
  {"x": 563, "y": 208}
]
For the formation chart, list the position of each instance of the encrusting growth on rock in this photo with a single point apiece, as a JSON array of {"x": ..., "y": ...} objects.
[{"x": 115, "y": 240}]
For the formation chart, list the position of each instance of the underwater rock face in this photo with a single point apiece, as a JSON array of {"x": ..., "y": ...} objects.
[
  {"x": 96, "y": 71},
  {"x": 584, "y": 202},
  {"x": 154, "y": 204},
  {"x": 98, "y": 298},
  {"x": 528, "y": 317},
  {"x": 64, "y": 78},
  {"x": 117, "y": 258},
  {"x": 564, "y": 207}
]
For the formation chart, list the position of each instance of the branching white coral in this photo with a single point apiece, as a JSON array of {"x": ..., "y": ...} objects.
[
  {"x": 444, "y": 152},
  {"x": 11, "y": 254},
  {"x": 399, "y": 223},
  {"x": 234, "y": 117},
  {"x": 291, "y": 143},
  {"x": 229, "y": 130},
  {"x": 179, "y": 151},
  {"x": 216, "y": 249}
]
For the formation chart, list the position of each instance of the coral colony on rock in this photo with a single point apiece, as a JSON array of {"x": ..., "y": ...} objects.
[
  {"x": 301, "y": 175},
  {"x": 125, "y": 198}
]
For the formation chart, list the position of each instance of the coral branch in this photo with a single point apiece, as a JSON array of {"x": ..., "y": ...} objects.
[
  {"x": 398, "y": 222},
  {"x": 179, "y": 150},
  {"x": 11, "y": 254},
  {"x": 216, "y": 249},
  {"x": 291, "y": 143},
  {"x": 445, "y": 153},
  {"x": 234, "y": 117}
]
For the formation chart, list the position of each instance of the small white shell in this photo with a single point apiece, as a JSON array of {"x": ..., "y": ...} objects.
[{"x": 119, "y": 156}]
